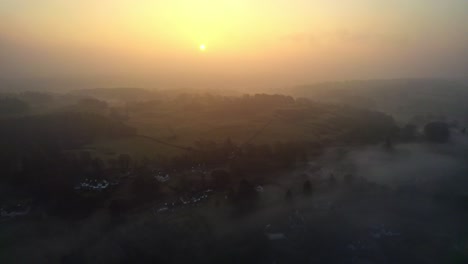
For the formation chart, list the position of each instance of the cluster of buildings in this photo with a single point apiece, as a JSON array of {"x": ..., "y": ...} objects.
[{"x": 92, "y": 185}]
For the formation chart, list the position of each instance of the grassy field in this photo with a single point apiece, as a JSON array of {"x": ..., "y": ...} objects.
[{"x": 314, "y": 123}]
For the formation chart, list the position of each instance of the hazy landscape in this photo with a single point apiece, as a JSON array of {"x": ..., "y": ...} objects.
[{"x": 234, "y": 132}]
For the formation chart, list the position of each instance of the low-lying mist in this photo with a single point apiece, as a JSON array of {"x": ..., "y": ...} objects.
[{"x": 423, "y": 166}]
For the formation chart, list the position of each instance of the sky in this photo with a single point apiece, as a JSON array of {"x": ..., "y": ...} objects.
[{"x": 275, "y": 42}]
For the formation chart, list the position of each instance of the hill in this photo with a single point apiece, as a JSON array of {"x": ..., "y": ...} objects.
[{"x": 403, "y": 98}]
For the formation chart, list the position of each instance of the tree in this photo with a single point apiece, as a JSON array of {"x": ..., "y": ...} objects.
[
  {"x": 124, "y": 161},
  {"x": 409, "y": 132},
  {"x": 93, "y": 105},
  {"x": 438, "y": 132},
  {"x": 98, "y": 167},
  {"x": 145, "y": 187},
  {"x": 246, "y": 191},
  {"x": 332, "y": 180},
  {"x": 13, "y": 106},
  {"x": 220, "y": 178},
  {"x": 349, "y": 179},
  {"x": 117, "y": 114},
  {"x": 288, "y": 196},
  {"x": 307, "y": 187},
  {"x": 245, "y": 197},
  {"x": 388, "y": 145}
]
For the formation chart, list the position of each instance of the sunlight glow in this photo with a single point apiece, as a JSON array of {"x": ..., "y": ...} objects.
[{"x": 284, "y": 41}]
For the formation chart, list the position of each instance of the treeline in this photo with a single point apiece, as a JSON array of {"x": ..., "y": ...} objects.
[
  {"x": 58, "y": 131},
  {"x": 35, "y": 150},
  {"x": 13, "y": 106},
  {"x": 33, "y": 103},
  {"x": 244, "y": 159},
  {"x": 402, "y": 98}
]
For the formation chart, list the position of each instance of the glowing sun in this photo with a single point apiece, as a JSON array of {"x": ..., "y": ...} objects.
[{"x": 202, "y": 47}]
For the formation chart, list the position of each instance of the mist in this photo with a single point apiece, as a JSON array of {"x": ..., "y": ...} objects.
[{"x": 421, "y": 167}]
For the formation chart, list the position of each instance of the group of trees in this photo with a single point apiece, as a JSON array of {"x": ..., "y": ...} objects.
[
  {"x": 39, "y": 153},
  {"x": 58, "y": 131},
  {"x": 243, "y": 159},
  {"x": 437, "y": 132},
  {"x": 433, "y": 131},
  {"x": 13, "y": 106}
]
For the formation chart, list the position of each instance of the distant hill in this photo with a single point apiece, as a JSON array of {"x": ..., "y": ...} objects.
[
  {"x": 403, "y": 98},
  {"x": 116, "y": 94}
]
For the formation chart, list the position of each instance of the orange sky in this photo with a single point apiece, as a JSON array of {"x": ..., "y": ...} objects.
[{"x": 275, "y": 42}]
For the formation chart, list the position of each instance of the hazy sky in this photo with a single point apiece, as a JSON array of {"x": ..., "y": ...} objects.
[{"x": 268, "y": 42}]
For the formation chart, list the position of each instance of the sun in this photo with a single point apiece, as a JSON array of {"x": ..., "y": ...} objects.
[{"x": 202, "y": 47}]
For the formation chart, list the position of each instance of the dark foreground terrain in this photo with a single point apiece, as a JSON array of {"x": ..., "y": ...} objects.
[{"x": 161, "y": 177}]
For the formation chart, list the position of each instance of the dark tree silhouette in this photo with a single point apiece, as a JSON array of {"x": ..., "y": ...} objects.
[
  {"x": 332, "y": 180},
  {"x": 92, "y": 105},
  {"x": 220, "y": 178},
  {"x": 124, "y": 161},
  {"x": 13, "y": 106},
  {"x": 438, "y": 132},
  {"x": 246, "y": 197},
  {"x": 307, "y": 187},
  {"x": 349, "y": 179},
  {"x": 288, "y": 196},
  {"x": 246, "y": 191},
  {"x": 409, "y": 132},
  {"x": 388, "y": 145}
]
